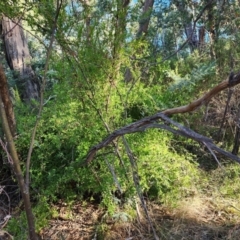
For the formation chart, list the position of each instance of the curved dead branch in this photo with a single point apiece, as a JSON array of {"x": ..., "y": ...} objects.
[
  {"x": 205, "y": 98},
  {"x": 151, "y": 122}
]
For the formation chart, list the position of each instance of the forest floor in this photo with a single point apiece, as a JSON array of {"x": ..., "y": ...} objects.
[{"x": 196, "y": 218}]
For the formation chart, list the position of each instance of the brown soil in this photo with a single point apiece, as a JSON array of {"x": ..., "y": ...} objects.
[{"x": 194, "y": 219}]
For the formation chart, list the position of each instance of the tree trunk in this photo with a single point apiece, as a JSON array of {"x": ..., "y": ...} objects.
[
  {"x": 237, "y": 135},
  {"x": 143, "y": 28},
  {"x": 145, "y": 19},
  {"x": 7, "y": 101},
  {"x": 201, "y": 34},
  {"x": 16, "y": 164},
  {"x": 187, "y": 19},
  {"x": 119, "y": 36},
  {"x": 192, "y": 36},
  {"x": 87, "y": 10},
  {"x": 120, "y": 28},
  {"x": 19, "y": 59}
]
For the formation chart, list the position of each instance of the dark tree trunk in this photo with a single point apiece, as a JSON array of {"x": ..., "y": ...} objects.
[
  {"x": 15, "y": 160},
  {"x": 201, "y": 34},
  {"x": 236, "y": 142},
  {"x": 145, "y": 19},
  {"x": 192, "y": 36},
  {"x": 237, "y": 135},
  {"x": 7, "y": 104},
  {"x": 142, "y": 31},
  {"x": 211, "y": 26},
  {"x": 7, "y": 101},
  {"x": 19, "y": 59}
]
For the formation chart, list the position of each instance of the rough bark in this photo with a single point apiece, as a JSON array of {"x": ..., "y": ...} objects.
[
  {"x": 237, "y": 134},
  {"x": 7, "y": 102},
  {"x": 145, "y": 19},
  {"x": 19, "y": 58},
  {"x": 236, "y": 142},
  {"x": 201, "y": 34},
  {"x": 191, "y": 35}
]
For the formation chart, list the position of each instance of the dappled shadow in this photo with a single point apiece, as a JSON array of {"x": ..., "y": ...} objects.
[
  {"x": 77, "y": 222},
  {"x": 194, "y": 219},
  {"x": 9, "y": 199}
]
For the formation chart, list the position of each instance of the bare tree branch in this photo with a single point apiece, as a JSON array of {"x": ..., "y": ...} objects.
[
  {"x": 151, "y": 122},
  {"x": 137, "y": 185}
]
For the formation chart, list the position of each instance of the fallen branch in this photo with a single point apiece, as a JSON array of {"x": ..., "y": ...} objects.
[
  {"x": 205, "y": 98},
  {"x": 151, "y": 122}
]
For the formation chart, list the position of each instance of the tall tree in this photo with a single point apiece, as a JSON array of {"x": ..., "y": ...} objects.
[
  {"x": 87, "y": 10},
  {"x": 7, "y": 125},
  {"x": 187, "y": 12},
  {"x": 19, "y": 58},
  {"x": 142, "y": 29},
  {"x": 145, "y": 18}
]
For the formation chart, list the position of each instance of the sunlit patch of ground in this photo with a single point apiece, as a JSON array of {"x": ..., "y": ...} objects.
[{"x": 195, "y": 218}]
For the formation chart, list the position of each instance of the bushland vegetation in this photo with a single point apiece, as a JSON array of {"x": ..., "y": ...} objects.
[{"x": 91, "y": 106}]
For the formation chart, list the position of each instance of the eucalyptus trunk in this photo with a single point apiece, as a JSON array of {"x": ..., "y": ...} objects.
[
  {"x": 145, "y": 18},
  {"x": 19, "y": 58}
]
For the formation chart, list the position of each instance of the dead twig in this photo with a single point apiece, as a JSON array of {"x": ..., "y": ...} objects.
[{"x": 138, "y": 187}]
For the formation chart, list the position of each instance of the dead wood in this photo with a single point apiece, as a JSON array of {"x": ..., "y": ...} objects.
[{"x": 152, "y": 122}]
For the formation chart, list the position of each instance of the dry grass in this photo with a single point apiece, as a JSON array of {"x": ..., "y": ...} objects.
[{"x": 195, "y": 219}]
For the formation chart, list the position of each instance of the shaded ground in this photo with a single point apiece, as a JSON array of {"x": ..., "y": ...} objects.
[
  {"x": 78, "y": 223},
  {"x": 194, "y": 219}
]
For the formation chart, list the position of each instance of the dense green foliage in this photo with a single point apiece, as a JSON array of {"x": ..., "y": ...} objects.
[{"x": 87, "y": 96}]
